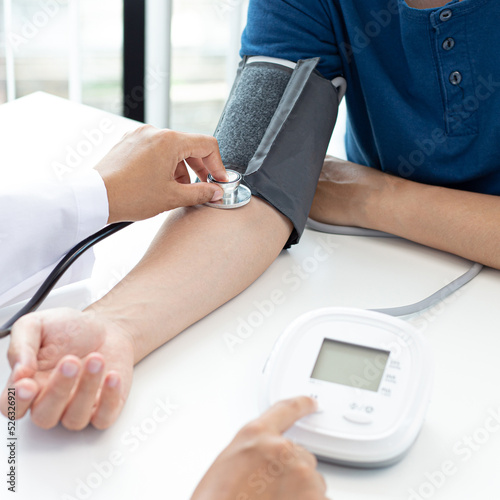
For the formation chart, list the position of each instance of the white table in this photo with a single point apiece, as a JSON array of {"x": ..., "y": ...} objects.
[{"x": 210, "y": 390}]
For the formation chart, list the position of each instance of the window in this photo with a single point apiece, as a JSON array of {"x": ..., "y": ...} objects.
[
  {"x": 68, "y": 48},
  {"x": 74, "y": 49},
  {"x": 205, "y": 57}
]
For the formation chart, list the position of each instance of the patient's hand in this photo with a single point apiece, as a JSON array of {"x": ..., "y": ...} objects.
[
  {"x": 69, "y": 367},
  {"x": 347, "y": 193}
]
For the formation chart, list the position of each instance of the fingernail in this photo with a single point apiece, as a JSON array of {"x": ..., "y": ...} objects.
[
  {"x": 16, "y": 367},
  {"x": 24, "y": 393},
  {"x": 94, "y": 366},
  {"x": 69, "y": 369},
  {"x": 113, "y": 381},
  {"x": 217, "y": 195}
]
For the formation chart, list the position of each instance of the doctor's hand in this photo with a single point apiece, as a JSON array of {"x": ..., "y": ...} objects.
[
  {"x": 68, "y": 367},
  {"x": 349, "y": 194},
  {"x": 145, "y": 173},
  {"x": 261, "y": 464}
]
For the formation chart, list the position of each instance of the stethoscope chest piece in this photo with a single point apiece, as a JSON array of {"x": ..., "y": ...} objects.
[{"x": 235, "y": 194}]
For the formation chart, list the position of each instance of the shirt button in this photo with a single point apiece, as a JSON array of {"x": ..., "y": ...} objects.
[
  {"x": 445, "y": 15},
  {"x": 455, "y": 78},
  {"x": 448, "y": 44}
]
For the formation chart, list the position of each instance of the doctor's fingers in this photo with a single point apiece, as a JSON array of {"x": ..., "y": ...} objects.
[
  {"x": 186, "y": 195},
  {"x": 204, "y": 148},
  {"x": 321, "y": 483},
  {"x": 303, "y": 471},
  {"x": 181, "y": 174},
  {"x": 48, "y": 407},
  {"x": 201, "y": 170},
  {"x": 79, "y": 410},
  {"x": 311, "y": 462},
  {"x": 305, "y": 474},
  {"x": 24, "y": 392},
  {"x": 303, "y": 455},
  {"x": 198, "y": 167},
  {"x": 283, "y": 414}
]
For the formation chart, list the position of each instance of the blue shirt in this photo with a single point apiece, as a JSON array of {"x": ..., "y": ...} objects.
[{"x": 423, "y": 94}]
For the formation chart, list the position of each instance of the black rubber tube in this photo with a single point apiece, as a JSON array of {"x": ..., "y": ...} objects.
[{"x": 65, "y": 263}]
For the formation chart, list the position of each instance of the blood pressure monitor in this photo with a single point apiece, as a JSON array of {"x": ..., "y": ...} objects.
[{"x": 371, "y": 375}]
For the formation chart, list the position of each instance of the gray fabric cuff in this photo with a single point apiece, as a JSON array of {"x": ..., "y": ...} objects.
[{"x": 278, "y": 124}]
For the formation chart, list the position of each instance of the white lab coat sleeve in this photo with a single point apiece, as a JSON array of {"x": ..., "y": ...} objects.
[{"x": 40, "y": 222}]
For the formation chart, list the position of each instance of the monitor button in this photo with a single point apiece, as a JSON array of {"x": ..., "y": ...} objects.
[
  {"x": 318, "y": 401},
  {"x": 358, "y": 417}
]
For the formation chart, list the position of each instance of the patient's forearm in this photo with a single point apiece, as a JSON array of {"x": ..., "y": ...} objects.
[
  {"x": 459, "y": 222},
  {"x": 201, "y": 258}
]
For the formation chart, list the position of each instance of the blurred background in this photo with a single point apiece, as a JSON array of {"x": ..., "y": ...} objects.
[{"x": 90, "y": 51}]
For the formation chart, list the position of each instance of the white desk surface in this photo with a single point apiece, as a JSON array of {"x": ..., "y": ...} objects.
[{"x": 214, "y": 389}]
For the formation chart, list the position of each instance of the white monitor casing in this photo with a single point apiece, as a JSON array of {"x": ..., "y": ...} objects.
[{"x": 356, "y": 426}]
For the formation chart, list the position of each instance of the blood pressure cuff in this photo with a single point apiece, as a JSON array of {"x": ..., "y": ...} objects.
[{"x": 275, "y": 130}]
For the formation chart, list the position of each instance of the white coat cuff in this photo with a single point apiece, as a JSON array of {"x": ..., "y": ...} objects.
[{"x": 91, "y": 201}]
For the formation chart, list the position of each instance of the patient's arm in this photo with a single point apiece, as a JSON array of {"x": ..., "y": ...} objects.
[
  {"x": 458, "y": 222},
  {"x": 76, "y": 368},
  {"x": 201, "y": 258}
]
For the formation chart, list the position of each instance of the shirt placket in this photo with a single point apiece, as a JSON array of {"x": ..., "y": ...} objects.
[{"x": 449, "y": 32}]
